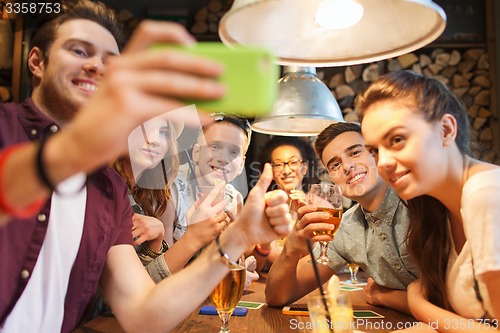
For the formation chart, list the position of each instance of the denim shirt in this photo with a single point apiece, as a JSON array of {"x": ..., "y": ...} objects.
[
  {"x": 108, "y": 222},
  {"x": 377, "y": 242}
]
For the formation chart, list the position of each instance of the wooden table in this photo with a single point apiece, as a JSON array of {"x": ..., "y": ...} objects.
[{"x": 266, "y": 319}]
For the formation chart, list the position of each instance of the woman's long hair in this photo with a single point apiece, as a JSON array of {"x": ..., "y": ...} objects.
[
  {"x": 428, "y": 235},
  {"x": 152, "y": 189}
]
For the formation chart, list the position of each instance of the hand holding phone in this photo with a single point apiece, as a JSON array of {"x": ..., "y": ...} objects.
[{"x": 250, "y": 76}]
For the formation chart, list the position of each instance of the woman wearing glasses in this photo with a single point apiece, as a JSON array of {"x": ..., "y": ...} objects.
[{"x": 294, "y": 164}]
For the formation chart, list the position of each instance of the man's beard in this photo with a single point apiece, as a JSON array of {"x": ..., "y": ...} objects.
[{"x": 57, "y": 106}]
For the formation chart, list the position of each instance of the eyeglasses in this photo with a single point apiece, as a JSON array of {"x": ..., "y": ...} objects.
[{"x": 280, "y": 166}]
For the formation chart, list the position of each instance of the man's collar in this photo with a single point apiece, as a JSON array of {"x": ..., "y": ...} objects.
[
  {"x": 386, "y": 210},
  {"x": 35, "y": 122}
]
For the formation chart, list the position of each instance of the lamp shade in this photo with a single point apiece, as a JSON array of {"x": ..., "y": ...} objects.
[
  {"x": 293, "y": 31},
  {"x": 304, "y": 107}
]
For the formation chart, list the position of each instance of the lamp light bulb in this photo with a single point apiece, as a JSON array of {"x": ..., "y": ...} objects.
[{"x": 338, "y": 14}]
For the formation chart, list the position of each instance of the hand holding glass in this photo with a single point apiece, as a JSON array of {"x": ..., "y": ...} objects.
[
  {"x": 328, "y": 199},
  {"x": 228, "y": 293}
]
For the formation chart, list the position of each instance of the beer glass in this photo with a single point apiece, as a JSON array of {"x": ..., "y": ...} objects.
[
  {"x": 228, "y": 293},
  {"x": 328, "y": 199}
]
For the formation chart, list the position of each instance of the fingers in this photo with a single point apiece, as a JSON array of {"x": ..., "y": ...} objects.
[
  {"x": 163, "y": 81},
  {"x": 214, "y": 194},
  {"x": 149, "y": 32},
  {"x": 169, "y": 58},
  {"x": 264, "y": 180},
  {"x": 276, "y": 197}
]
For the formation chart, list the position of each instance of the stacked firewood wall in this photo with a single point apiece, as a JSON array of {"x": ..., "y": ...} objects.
[{"x": 465, "y": 72}]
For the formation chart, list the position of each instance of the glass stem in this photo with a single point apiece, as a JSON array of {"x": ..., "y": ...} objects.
[
  {"x": 224, "y": 317},
  {"x": 323, "y": 248}
]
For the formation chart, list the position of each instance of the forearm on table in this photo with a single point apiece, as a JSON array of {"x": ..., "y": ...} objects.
[
  {"x": 394, "y": 299},
  {"x": 174, "y": 298},
  {"x": 281, "y": 283},
  {"x": 180, "y": 253}
]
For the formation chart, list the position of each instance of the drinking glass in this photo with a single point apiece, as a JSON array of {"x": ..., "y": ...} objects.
[
  {"x": 328, "y": 199},
  {"x": 203, "y": 191},
  {"x": 339, "y": 310},
  {"x": 228, "y": 293},
  {"x": 353, "y": 269}
]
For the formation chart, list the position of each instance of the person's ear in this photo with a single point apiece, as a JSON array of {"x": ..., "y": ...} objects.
[
  {"x": 448, "y": 127},
  {"x": 36, "y": 62},
  {"x": 195, "y": 155},
  {"x": 242, "y": 165}
]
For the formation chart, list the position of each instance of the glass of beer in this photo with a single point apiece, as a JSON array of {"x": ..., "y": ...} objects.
[
  {"x": 228, "y": 293},
  {"x": 353, "y": 270},
  {"x": 328, "y": 199}
]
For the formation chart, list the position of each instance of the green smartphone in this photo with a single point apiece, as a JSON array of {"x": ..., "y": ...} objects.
[{"x": 250, "y": 76}]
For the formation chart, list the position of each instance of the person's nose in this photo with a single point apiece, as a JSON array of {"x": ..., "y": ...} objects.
[
  {"x": 95, "y": 66},
  {"x": 385, "y": 161},
  {"x": 348, "y": 165},
  {"x": 222, "y": 156},
  {"x": 153, "y": 137}
]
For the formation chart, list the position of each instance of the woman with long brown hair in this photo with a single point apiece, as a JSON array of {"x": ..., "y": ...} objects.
[{"x": 418, "y": 132}]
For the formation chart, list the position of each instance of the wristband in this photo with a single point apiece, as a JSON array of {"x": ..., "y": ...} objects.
[
  {"x": 43, "y": 177},
  {"x": 22, "y": 213},
  {"x": 262, "y": 251},
  {"x": 225, "y": 257},
  {"x": 146, "y": 249},
  {"x": 40, "y": 168}
]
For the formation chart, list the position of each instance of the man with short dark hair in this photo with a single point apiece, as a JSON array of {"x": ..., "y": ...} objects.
[
  {"x": 61, "y": 234},
  {"x": 372, "y": 232}
]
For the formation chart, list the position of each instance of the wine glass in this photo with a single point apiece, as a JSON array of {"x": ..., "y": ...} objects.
[
  {"x": 328, "y": 199},
  {"x": 228, "y": 293},
  {"x": 353, "y": 269}
]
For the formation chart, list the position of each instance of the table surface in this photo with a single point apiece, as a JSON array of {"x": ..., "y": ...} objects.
[{"x": 266, "y": 319}]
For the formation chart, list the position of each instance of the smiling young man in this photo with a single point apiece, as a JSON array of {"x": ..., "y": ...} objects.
[
  {"x": 76, "y": 234},
  {"x": 372, "y": 233}
]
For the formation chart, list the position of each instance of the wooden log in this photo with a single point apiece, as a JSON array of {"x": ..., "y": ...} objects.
[
  {"x": 336, "y": 80},
  {"x": 458, "y": 81},
  {"x": 343, "y": 91},
  {"x": 484, "y": 113},
  {"x": 406, "y": 60},
  {"x": 455, "y": 58},
  {"x": 371, "y": 73},
  {"x": 416, "y": 68},
  {"x": 478, "y": 123},
  {"x": 199, "y": 28},
  {"x": 474, "y": 90},
  {"x": 483, "y": 98},
  {"x": 443, "y": 59},
  {"x": 466, "y": 66},
  {"x": 394, "y": 65},
  {"x": 473, "y": 54},
  {"x": 425, "y": 60},
  {"x": 214, "y": 6},
  {"x": 482, "y": 80}
]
